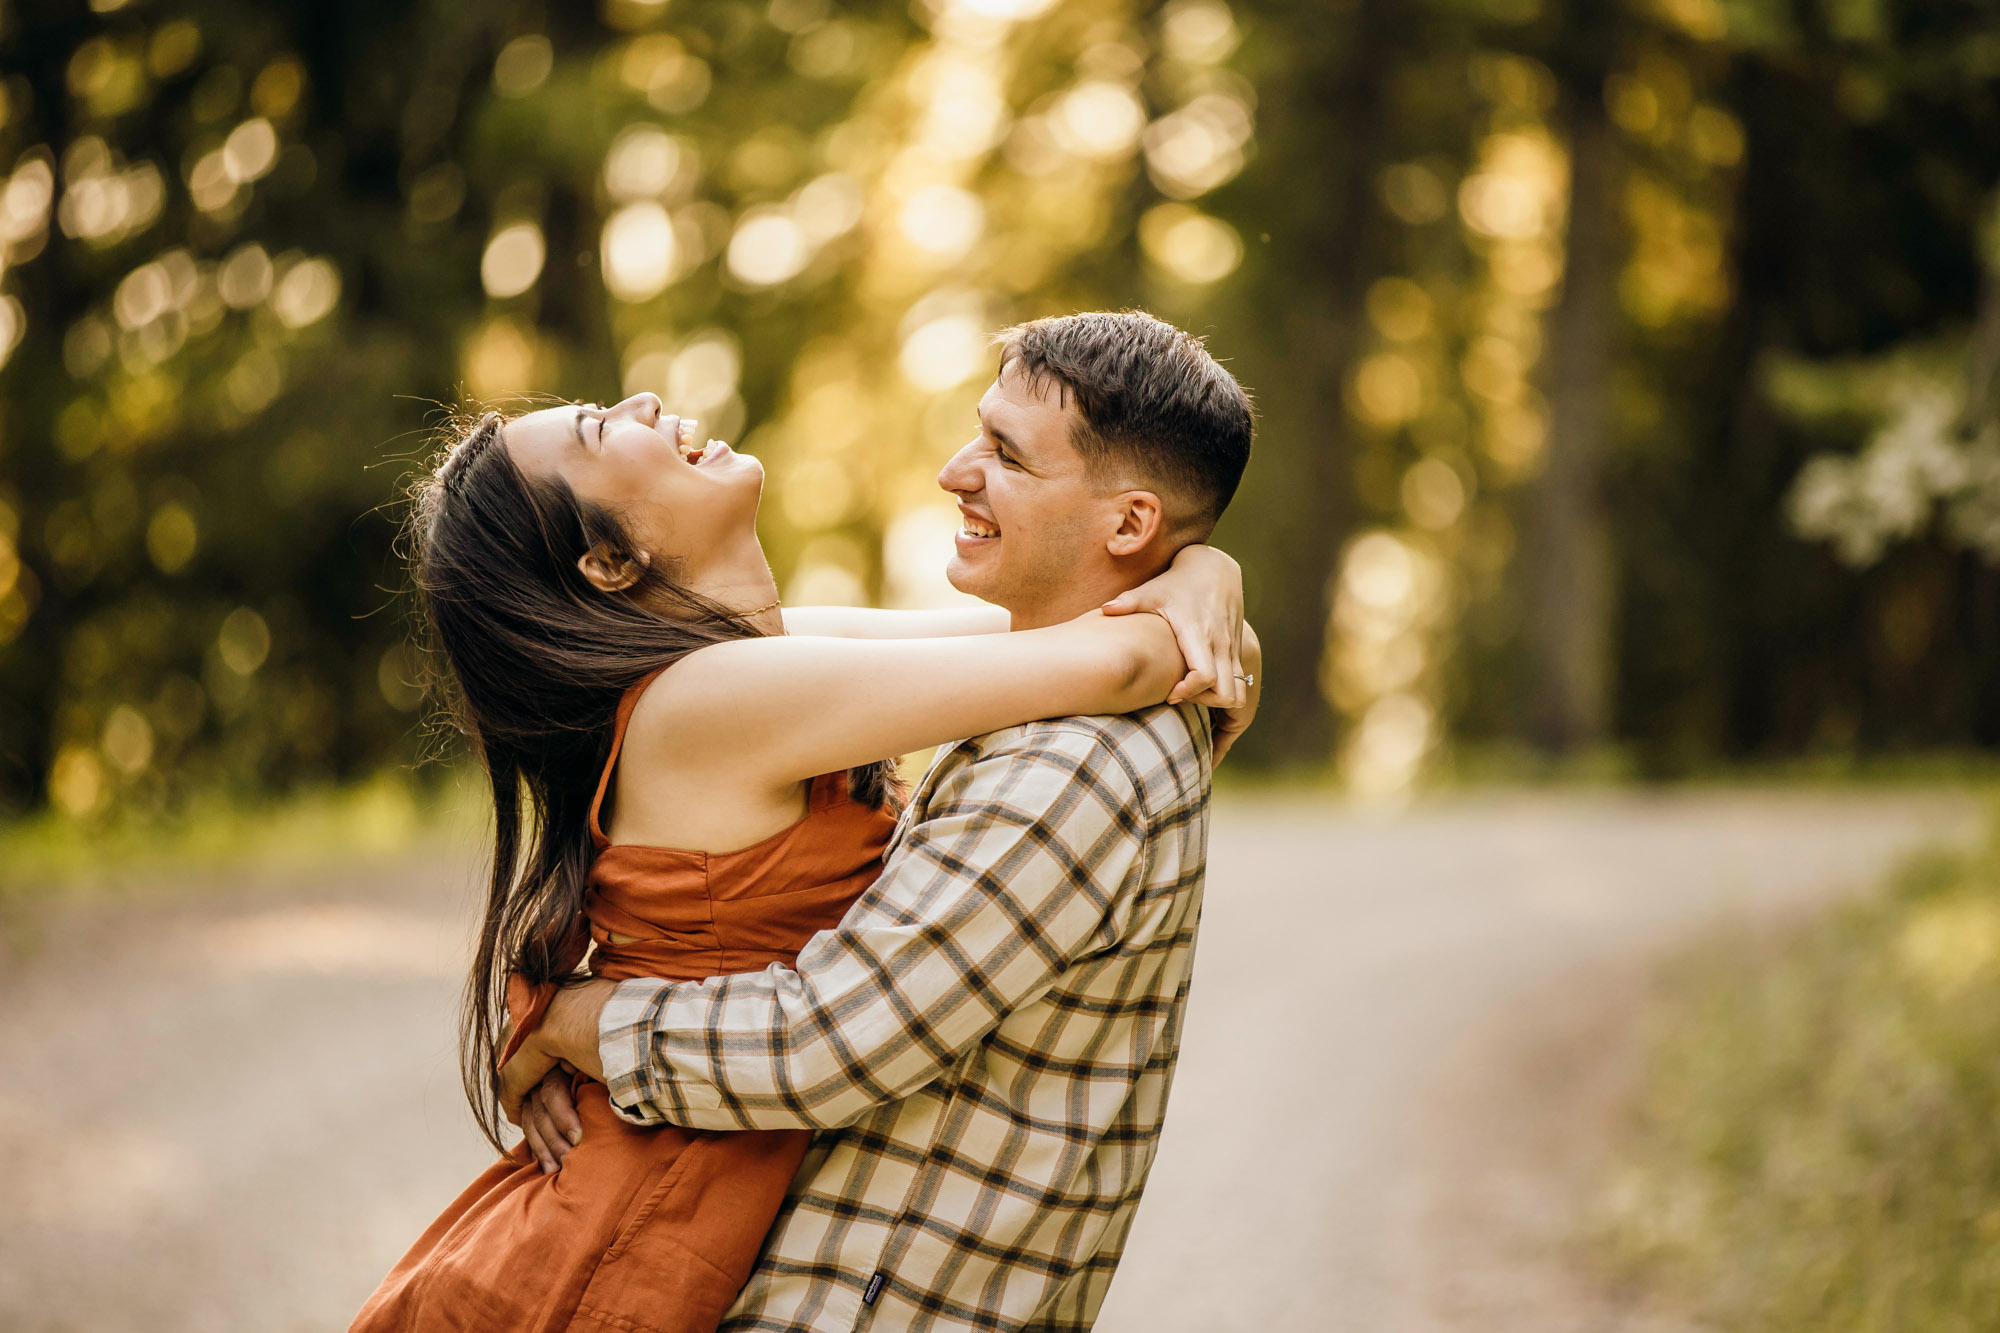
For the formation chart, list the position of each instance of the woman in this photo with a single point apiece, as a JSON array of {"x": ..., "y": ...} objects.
[{"x": 703, "y": 794}]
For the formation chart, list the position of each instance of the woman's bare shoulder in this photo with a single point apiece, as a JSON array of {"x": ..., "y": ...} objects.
[
  {"x": 685, "y": 696},
  {"x": 679, "y": 782},
  {"x": 683, "y": 693}
]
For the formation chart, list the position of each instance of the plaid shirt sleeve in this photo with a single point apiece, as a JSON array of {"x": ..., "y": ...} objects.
[{"x": 1022, "y": 860}]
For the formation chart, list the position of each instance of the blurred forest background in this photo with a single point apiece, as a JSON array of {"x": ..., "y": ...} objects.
[{"x": 1626, "y": 368}]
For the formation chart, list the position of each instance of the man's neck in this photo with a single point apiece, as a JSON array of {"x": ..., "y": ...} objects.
[{"x": 1086, "y": 593}]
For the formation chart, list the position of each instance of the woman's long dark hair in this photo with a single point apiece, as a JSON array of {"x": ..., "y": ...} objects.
[{"x": 539, "y": 659}]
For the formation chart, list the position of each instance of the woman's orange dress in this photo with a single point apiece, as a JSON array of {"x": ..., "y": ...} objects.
[{"x": 643, "y": 1230}]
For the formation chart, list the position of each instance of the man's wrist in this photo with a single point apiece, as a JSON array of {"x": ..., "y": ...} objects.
[{"x": 570, "y": 1030}]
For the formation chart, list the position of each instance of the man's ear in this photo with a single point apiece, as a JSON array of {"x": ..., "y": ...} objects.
[
  {"x": 1140, "y": 519},
  {"x": 609, "y": 570}
]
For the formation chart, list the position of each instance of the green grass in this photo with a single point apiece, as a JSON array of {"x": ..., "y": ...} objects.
[
  {"x": 381, "y": 816},
  {"x": 1818, "y": 1141},
  {"x": 1476, "y": 765}
]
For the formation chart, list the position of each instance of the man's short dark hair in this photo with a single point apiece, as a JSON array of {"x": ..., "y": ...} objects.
[{"x": 1152, "y": 403}]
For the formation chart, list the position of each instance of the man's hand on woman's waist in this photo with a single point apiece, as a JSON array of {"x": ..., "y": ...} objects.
[{"x": 566, "y": 1038}]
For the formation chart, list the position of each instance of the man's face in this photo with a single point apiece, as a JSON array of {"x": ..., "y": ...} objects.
[{"x": 1034, "y": 518}]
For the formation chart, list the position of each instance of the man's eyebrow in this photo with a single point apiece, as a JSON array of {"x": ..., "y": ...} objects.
[{"x": 999, "y": 436}]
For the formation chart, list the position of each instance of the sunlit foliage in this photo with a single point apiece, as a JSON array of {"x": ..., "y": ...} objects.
[
  {"x": 1548, "y": 306},
  {"x": 251, "y": 248}
]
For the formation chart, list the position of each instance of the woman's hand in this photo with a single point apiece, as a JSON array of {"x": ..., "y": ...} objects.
[
  {"x": 1233, "y": 722},
  {"x": 1201, "y": 596}
]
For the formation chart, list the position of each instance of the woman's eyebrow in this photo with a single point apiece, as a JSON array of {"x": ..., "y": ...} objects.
[{"x": 576, "y": 428}]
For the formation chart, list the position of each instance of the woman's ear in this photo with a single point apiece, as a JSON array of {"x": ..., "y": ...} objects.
[
  {"x": 609, "y": 570},
  {"x": 1140, "y": 519}
]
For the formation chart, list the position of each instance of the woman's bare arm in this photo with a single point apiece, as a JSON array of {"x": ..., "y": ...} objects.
[
  {"x": 1200, "y": 594},
  {"x": 868, "y": 622},
  {"x": 759, "y": 715}
]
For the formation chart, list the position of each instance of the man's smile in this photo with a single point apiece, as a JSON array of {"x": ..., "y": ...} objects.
[{"x": 975, "y": 528}]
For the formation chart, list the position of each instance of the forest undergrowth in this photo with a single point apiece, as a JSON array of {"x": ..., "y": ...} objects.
[{"x": 1817, "y": 1142}]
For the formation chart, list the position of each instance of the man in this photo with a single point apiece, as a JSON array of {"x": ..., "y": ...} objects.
[{"x": 986, "y": 1041}]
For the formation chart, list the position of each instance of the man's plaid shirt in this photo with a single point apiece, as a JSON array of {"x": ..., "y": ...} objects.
[{"x": 985, "y": 1042}]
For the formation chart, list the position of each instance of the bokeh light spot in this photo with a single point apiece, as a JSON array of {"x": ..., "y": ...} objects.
[
  {"x": 644, "y": 162},
  {"x": 523, "y": 65},
  {"x": 171, "y": 537},
  {"x": 499, "y": 358},
  {"x": 944, "y": 353},
  {"x": 1499, "y": 205},
  {"x": 1412, "y": 192},
  {"x": 244, "y": 641},
  {"x": 76, "y": 782},
  {"x": 640, "y": 252},
  {"x": 1099, "y": 119},
  {"x": 769, "y": 247},
  {"x": 1387, "y": 390},
  {"x": 13, "y": 326},
  {"x": 1433, "y": 494},
  {"x": 127, "y": 740},
  {"x": 1011, "y": 11},
  {"x": 245, "y": 277},
  {"x": 1198, "y": 32},
  {"x": 1399, "y": 309},
  {"x": 1198, "y": 147},
  {"x": 249, "y": 151},
  {"x": 307, "y": 293},
  {"x": 1190, "y": 245},
  {"x": 278, "y": 87},
  {"x": 942, "y": 220},
  {"x": 703, "y": 375},
  {"x": 829, "y": 206},
  {"x": 513, "y": 260}
]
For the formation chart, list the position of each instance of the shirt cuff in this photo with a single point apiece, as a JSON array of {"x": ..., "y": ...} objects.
[{"x": 625, "y": 1044}]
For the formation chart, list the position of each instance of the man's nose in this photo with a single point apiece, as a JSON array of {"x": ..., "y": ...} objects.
[{"x": 959, "y": 475}]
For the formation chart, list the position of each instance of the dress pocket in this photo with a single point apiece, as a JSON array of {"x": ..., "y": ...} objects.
[
  {"x": 689, "y": 1244},
  {"x": 649, "y": 1203}
]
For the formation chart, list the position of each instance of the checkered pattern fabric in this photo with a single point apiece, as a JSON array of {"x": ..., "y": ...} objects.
[{"x": 985, "y": 1042}]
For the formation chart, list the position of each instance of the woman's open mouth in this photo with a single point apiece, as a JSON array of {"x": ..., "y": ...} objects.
[{"x": 684, "y": 438}]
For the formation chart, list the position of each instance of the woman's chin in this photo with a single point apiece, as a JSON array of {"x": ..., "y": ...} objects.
[{"x": 735, "y": 468}]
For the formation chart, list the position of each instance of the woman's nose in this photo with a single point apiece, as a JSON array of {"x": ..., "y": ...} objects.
[{"x": 644, "y": 408}]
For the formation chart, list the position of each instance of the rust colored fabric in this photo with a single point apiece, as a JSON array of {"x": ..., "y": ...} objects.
[{"x": 643, "y": 1230}]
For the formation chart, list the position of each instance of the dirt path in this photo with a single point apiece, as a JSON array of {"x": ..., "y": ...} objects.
[{"x": 230, "y": 1110}]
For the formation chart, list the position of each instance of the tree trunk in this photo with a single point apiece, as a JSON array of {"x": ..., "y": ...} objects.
[
  {"x": 1568, "y": 567},
  {"x": 1319, "y": 168}
]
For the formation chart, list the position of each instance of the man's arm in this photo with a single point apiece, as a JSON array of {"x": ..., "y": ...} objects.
[{"x": 1022, "y": 867}]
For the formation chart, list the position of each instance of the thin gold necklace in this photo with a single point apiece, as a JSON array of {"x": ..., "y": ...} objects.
[{"x": 768, "y": 606}]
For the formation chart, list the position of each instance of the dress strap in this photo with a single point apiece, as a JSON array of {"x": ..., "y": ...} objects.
[{"x": 626, "y": 704}]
